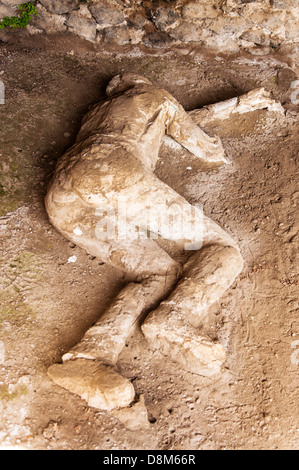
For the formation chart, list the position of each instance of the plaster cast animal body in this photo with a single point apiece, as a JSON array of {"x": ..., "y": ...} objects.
[{"x": 113, "y": 159}]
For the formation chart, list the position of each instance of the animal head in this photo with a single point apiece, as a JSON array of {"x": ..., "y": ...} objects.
[{"x": 121, "y": 83}]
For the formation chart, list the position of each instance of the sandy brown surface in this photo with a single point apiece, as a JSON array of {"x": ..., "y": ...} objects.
[{"x": 47, "y": 303}]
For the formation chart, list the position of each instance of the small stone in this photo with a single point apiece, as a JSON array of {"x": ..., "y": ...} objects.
[
  {"x": 100, "y": 385},
  {"x": 284, "y": 4},
  {"x": 6, "y": 11},
  {"x": 63, "y": 6},
  {"x": 84, "y": 27},
  {"x": 196, "y": 11},
  {"x": 116, "y": 35},
  {"x": 49, "y": 22},
  {"x": 259, "y": 50},
  {"x": 84, "y": 11},
  {"x": 164, "y": 18},
  {"x": 221, "y": 42},
  {"x": 187, "y": 32},
  {"x": 51, "y": 429},
  {"x": 107, "y": 13},
  {"x": 137, "y": 21},
  {"x": 157, "y": 39},
  {"x": 33, "y": 30},
  {"x": 256, "y": 36},
  {"x": 134, "y": 417}
]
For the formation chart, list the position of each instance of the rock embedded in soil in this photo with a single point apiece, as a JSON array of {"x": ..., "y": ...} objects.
[
  {"x": 257, "y": 27},
  {"x": 100, "y": 385},
  {"x": 6, "y": 11},
  {"x": 134, "y": 417},
  {"x": 63, "y": 6},
  {"x": 85, "y": 27},
  {"x": 107, "y": 13}
]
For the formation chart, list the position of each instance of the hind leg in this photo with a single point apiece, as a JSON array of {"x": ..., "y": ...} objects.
[
  {"x": 172, "y": 327},
  {"x": 156, "y": 273},
  {"x": 89, "y": 369}
]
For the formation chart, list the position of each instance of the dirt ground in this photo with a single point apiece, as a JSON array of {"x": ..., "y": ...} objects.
[{"x": 47, "y": 303}]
